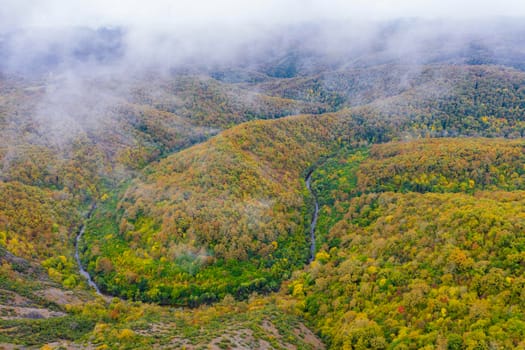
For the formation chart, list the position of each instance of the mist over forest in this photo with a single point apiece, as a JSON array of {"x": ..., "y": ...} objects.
[{"x": 262, "y": 175}]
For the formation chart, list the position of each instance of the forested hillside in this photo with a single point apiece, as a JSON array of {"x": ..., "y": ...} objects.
[
  {"x": 183, "y": 193},
  {"x": 425, "y": 255},
  {"x": 235, "y": 205}
]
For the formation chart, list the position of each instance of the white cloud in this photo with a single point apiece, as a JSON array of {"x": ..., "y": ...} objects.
[{"x": 171, "y": 13}]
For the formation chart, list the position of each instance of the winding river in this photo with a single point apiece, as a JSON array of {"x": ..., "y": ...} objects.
[
  {"x": 313, "y": 224},
  {"x": 83, "y": 272},
  {"x": 314, "y": 217}
]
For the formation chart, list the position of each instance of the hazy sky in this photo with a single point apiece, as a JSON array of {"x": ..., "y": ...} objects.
[{"x": 165, "y": 13}]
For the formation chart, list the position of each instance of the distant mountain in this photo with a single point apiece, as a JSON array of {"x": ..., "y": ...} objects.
[{"x": 41, "y": 51}]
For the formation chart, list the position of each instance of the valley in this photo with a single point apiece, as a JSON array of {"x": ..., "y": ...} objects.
[{"x": 293, "y": 201}]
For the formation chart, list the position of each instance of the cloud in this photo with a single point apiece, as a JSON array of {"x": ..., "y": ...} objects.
[{"x": 173, "y": 14}]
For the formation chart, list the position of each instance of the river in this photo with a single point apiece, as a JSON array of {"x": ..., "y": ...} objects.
[
  {"x": 83, "y": 272},
  {"x": 313, "y": 224}
]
